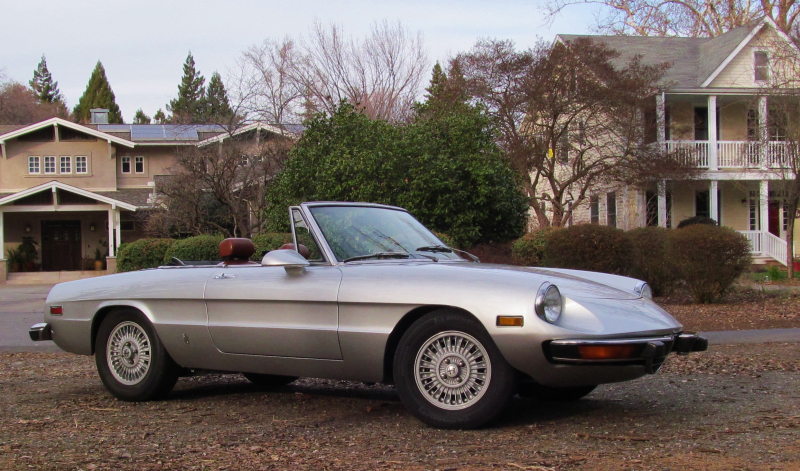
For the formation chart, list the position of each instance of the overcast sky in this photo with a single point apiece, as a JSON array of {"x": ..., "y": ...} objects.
[{"x": 143, "y": 44}]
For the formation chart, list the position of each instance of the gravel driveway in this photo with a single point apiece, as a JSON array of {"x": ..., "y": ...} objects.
[{"x": 733, "y": 407}]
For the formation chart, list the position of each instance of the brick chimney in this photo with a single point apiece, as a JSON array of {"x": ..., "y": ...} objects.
[{"x": 99, "y": 115}]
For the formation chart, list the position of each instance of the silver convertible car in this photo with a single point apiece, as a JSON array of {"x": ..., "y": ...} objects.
[{"x": 367, "y": 293}]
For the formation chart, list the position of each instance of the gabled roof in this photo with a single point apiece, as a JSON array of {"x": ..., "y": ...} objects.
[
  {"x": 275, "y": 129},
  {"x": 695, "y": 62},
  {"x": 67, "y": 124},
  {"x": 54, "y": 184}
]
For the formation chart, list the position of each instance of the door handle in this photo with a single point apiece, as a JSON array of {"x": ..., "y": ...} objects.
[{"x": 224, "y": 276}]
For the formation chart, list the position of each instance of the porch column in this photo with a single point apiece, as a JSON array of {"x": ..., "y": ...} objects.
[
  {"x": 662, "y": 203},
  {"x": 118, "y": 229},
  {"x": 713, "y": 200},
  {"x": 713, "y": 163},
  {"x": 661, "y": 120},
  {"x": 111, "y": 250},
  {"x": 2, "y": 236},
  {"x": 763, "y": 205},
  {"x": 763, "y": 130}
]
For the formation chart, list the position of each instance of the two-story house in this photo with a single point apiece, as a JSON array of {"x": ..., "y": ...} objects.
[
  {"x": 715, "y": 112},
  {"x": 75, "y": 190}
]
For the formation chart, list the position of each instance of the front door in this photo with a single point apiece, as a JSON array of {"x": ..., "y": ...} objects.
[
  {"x": 258, "y": 310},
  {"x": 61, "y": 245},
  {"x": 774, "y": 218}
]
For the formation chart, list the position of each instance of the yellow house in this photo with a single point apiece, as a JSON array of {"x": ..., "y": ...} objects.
[
  {"x": 75, "y": 190},
  {"x": 714, "y": 112}
]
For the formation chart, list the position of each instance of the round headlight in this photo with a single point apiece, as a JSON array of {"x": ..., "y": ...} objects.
[
  {"x": 643, "y": 290},
  {"x": 548, "y": 302}
]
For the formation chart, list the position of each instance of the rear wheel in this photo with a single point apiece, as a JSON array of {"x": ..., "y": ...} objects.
[
  {"x": 548, "y": 393},
  {"x": 130, "y": 358},
  {"x": 450, "y": 374},
  {"x": 269, "y": 381}
]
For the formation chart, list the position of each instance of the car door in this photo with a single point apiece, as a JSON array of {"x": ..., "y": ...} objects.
[{"x": 262, "y": 310}]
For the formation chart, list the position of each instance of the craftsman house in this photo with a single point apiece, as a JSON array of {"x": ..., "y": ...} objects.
[
  {"x": 713, "y": 112},
  {"x": 75, "y": 190}
]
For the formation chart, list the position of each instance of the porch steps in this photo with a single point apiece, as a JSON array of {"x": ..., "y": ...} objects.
[{"x": 50, "y": 277}]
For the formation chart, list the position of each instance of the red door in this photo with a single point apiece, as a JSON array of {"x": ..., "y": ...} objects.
[{"x": 774, "y": 217}]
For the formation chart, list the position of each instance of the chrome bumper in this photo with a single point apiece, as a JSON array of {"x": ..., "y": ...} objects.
[{"x": 41, "y": 332}]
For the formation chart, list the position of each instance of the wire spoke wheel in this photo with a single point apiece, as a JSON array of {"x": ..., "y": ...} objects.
[
  {"x": 129, "y": 353},
  {"x": 452, "y": 370}
]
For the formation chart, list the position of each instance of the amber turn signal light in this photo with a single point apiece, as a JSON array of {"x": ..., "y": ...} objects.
[
  {"x": 56, "y": 310},
  {"x": 509, "y": 321},
  {"x": 606, "y": 352}
]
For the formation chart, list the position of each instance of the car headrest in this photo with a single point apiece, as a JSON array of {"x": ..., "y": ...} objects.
[
  {"x": 303, "y": 249},
  {"x": 236, "y": 249}
]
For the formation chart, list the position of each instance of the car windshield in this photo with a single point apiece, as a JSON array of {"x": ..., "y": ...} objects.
[{"x": 360, "y": 232}]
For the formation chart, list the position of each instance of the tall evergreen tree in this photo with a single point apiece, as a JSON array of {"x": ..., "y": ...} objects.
[
  {"x": 189, "y": 106},
  {"x": 98, "y": 94},
  {"x": 140, "y": 117},
  {"x": 159, "y": 117},
  {"x": 42, "y": 83},
  {"x": 218, "y": 108}
]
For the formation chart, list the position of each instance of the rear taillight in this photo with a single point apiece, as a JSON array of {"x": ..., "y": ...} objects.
[{"x": 56, "y": 310}]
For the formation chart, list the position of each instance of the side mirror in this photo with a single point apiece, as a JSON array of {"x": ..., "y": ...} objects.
[{"x": 293, "y": 262}]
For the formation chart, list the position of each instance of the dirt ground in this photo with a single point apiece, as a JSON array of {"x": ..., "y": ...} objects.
[
  {"x": 742, "y": 309},
  {"x": 733, "y": 407}
]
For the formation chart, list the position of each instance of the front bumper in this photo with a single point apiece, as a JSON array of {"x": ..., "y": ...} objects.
[
  {"x": 650, "y": 352},
  {"x": 41, "y": 332}
]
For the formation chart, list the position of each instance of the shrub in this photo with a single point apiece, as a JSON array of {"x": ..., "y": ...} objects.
[
  {"x": 269, "y": 241},
  {"x": 650, "y": 260},
  {"x": 496, "y": 252},
  {"x": 448, "y": 241},
  {"x": 529, "y": 249},
  {"x": 588, "y": 247},
  {"x": 697, "y": 220},
  {"x": 709, "y": 259},
  {"x": 143, "y": 253},
  {"x": 202, "y": 247},
  {"x": 774, "y": 273}
]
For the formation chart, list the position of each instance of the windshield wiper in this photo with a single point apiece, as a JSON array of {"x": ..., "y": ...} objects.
[
  {"x": 434, "y": 248},
  {"x": 379, "y": 255}
]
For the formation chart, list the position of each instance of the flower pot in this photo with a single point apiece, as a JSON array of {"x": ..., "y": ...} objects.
[
  {"x": 98, "y": 265},
  {"x": 796, "y": 266},
  {"x": 30, "y": 266},
  {"x": 15, "y": 267}
]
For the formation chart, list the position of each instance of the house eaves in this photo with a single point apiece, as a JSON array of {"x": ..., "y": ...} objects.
[{"x": 67, "y": 124}]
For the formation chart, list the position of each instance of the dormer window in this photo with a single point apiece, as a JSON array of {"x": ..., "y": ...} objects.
[{"x": 761, "y": 60}]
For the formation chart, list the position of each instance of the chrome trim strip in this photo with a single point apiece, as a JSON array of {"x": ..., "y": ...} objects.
[
  {"x": 317, "y": 234},
  {"x": 668, "y": 338}
]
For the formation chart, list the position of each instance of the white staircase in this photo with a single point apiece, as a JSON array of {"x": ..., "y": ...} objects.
[{"x": 766, "y": 246}]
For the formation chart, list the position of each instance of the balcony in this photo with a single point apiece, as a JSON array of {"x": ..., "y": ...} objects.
[{"x": 735, "y": 154}]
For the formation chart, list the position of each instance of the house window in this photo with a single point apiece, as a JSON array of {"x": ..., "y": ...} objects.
[
  {"x": 65, "y": 164},
  {"x": 753, "y": 211},
  {"x": 701, "y": 204},
  {"x": 126, "y": 164},
  {"x": 81, "y": 164},
  {"x": 611, "y": 209},
  {"x": 785, "y": 216},
  {"x": 761, "y": 59},
  {"x": 594, "y": 209},
  {"x": 49, "y": 164},
  {"x": 33, "y": 164},
  {"x": 139, "y": 164},
  {"x": 245, "y": 160}
]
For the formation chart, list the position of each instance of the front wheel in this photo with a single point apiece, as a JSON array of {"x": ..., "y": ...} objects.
[
  {"x": 131, "y": 360},
  {"x": 450, "y": 374}
]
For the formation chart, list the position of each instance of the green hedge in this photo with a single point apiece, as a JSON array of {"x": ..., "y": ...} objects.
[
  {"x": 652, "y": 260},
  {"x": 269, "y": 241},
  {"x": 589, "y": 247},
  {"x": 709, "y": 259},
  {"x": 203, "y": 247},
  {"x": 143, "y": 253},
  {"x": 529, "y": 249}
]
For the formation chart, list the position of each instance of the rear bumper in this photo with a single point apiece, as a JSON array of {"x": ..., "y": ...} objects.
[{"x": 41, "y": 332}]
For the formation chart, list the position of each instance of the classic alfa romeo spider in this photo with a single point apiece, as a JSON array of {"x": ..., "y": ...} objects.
[{"x": 366, "y": 293}]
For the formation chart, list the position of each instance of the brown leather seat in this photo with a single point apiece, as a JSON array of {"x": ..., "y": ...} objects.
[
  {"x": 303, "y": 249},
  {"x": 236, "y": 251}
]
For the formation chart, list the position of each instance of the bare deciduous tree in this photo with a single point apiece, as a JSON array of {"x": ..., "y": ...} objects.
[
  {"x": 382, "y": 74},
  {"x": 20, "y": 105},
  {"x": 220, "y": 187},
  {"x": 694, "y": 18},
  {"x": 569, "y": 120}
]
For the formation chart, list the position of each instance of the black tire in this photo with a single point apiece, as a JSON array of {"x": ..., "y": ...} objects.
[
  {"x": 127, "y": 381},
  {"x": 452, "y": 330},
  {"x": 548, "y": 393},
  {"x": 269, "y": 381}
]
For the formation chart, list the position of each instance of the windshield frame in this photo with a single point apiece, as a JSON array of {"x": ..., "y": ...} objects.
[{"x": 325, "y": 246}]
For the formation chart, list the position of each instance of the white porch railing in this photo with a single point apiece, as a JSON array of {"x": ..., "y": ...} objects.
[
  {"x": 766, "y": 244},
  {"x": 735, "y": 154}
]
